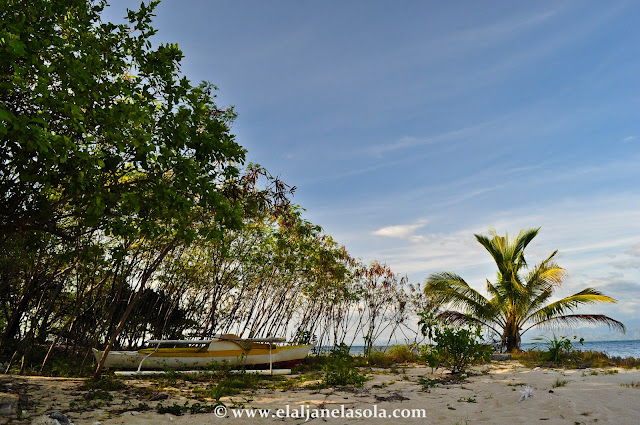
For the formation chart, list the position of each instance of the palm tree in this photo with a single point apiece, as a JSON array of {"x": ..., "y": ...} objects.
[{"x": 518, "y": 301}]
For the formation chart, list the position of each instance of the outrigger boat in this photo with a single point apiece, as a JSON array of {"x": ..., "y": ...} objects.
[{"x": 254, "y": 353}]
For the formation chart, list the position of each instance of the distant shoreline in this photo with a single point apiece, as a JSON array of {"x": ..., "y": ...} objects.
[{"x": 617, "y": 348}]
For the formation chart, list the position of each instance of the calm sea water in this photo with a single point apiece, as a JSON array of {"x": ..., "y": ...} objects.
[{"x": 611, "y": 348}]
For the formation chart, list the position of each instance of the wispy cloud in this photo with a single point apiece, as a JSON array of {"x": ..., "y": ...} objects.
[
  {"x": 634, "y": 250},
  {"x": 403, "y": 231},
  {"x": 627, "y": 264},
  {"x": 407, "y": 142}
]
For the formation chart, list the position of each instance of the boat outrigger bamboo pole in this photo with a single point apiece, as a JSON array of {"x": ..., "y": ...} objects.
[{"x": 147, "y": 356}]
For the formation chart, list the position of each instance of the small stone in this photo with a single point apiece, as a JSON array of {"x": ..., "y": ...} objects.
[{"x": 60, "y": 418}]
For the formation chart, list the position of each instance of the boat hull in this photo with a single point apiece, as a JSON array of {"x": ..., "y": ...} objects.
[{"x": 218, "y": 352}]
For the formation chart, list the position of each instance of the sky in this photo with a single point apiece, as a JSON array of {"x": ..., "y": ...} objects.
[{"x": 407, "y": 127}]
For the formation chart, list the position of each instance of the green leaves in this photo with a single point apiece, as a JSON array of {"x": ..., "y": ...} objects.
[
  {"x": 92, "y": 117},
  {"x": 11, "y": 45},
  {"x": 458, "y": 348},
  {"x": 519, "y": 301}
]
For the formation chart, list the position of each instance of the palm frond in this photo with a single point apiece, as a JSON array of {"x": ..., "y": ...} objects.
[
  {"x": 539, "y": 285},
  {"x": 456, "y": 318},
  {"x": 573, "y": 320},
  {"x": 490, "y": 246},
  {"x": 568, "y": 304},
  {"x": 544, "y": 275},
  {"x": 449, "y": 288},
  {"x": 524, "y": 238},
  {"x": 492, "y": 290}
]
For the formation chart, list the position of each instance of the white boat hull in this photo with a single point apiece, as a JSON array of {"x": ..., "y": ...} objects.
[{"x": 218, "y": 352}]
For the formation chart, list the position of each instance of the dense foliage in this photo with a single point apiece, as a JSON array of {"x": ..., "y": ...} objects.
[{"x": 128, "y": 212}]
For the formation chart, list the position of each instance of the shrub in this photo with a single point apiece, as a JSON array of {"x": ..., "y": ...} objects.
[
  {"x": 559, "y": 383},
  {"x": 375, "y": 358},
  {"x": 430, "y": 356},
  {"x": 456, "y": 349},
  {"x": 340, "y": 371},
  {"x": 396, "y": 354},
  {"x": 557, "y": 348},
  {"x": 402, "y": 354}
]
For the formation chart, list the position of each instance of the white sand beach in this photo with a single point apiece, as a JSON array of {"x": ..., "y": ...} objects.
[{"x": 491, "y": 396}]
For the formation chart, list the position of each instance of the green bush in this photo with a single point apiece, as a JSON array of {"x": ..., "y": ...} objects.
[
  {"x": 456, "y": 349},
  {"x": 375, "y": 358},
  {"x": 402, "y": 354},
  {"x": 430, "y": 356},
  {"x": 396, "y": 354},
  {"x": 340, "y": 370},
  {"x": 558, "y": 348}
]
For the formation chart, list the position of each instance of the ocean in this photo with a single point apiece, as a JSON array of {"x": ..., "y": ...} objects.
[{"x": 629, "y": 348}]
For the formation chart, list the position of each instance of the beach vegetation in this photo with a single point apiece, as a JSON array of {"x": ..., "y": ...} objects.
[
  {"x": 403, "y": 353},
  {"x": 430, "y": 356},
  {"x": 390, "y": 358},
  {"x": 456, "y": 348},
  {"x": 575, "y": 359},
  {"x": 557, "y": 348},
  {"x": 519, "y": 299},
  {"x": 631, "y": 384},
  {"x": 559, "y": 383},
  {"x": 340, "y": 370},
  {"x": 427, "y": 383}
]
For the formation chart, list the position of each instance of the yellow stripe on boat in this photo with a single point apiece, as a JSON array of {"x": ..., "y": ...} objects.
[{"x": 198, "y": 352}]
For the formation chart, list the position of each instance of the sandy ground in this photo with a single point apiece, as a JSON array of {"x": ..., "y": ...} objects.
[{"x": 589, "y": 396}]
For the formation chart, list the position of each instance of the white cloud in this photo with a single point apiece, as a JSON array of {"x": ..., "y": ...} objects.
[{"x": 403, "y": 231}]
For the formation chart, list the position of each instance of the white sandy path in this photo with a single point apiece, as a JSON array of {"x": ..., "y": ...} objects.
[{"x": 585, "y": 399}]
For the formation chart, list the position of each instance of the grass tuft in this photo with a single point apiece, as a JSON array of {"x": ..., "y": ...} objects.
[{"x": 559, "y": 383}]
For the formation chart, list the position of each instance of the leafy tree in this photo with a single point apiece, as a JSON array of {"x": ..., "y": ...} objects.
[
  {"x": 100, "y": 134},
  {"x": 99, "y": 130},
  {"x": 518, "y": 301}
]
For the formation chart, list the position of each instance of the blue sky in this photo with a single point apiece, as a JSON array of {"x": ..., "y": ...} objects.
[{"x": 409, "y": 126}]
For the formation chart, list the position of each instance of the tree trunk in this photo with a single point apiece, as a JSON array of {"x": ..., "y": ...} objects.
[
  {"x": 143, "y": 282},
  {"x": 511, "y": 336}
]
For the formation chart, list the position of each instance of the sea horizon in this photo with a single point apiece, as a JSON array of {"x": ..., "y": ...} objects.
[{"x": 615, "y": 348}]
